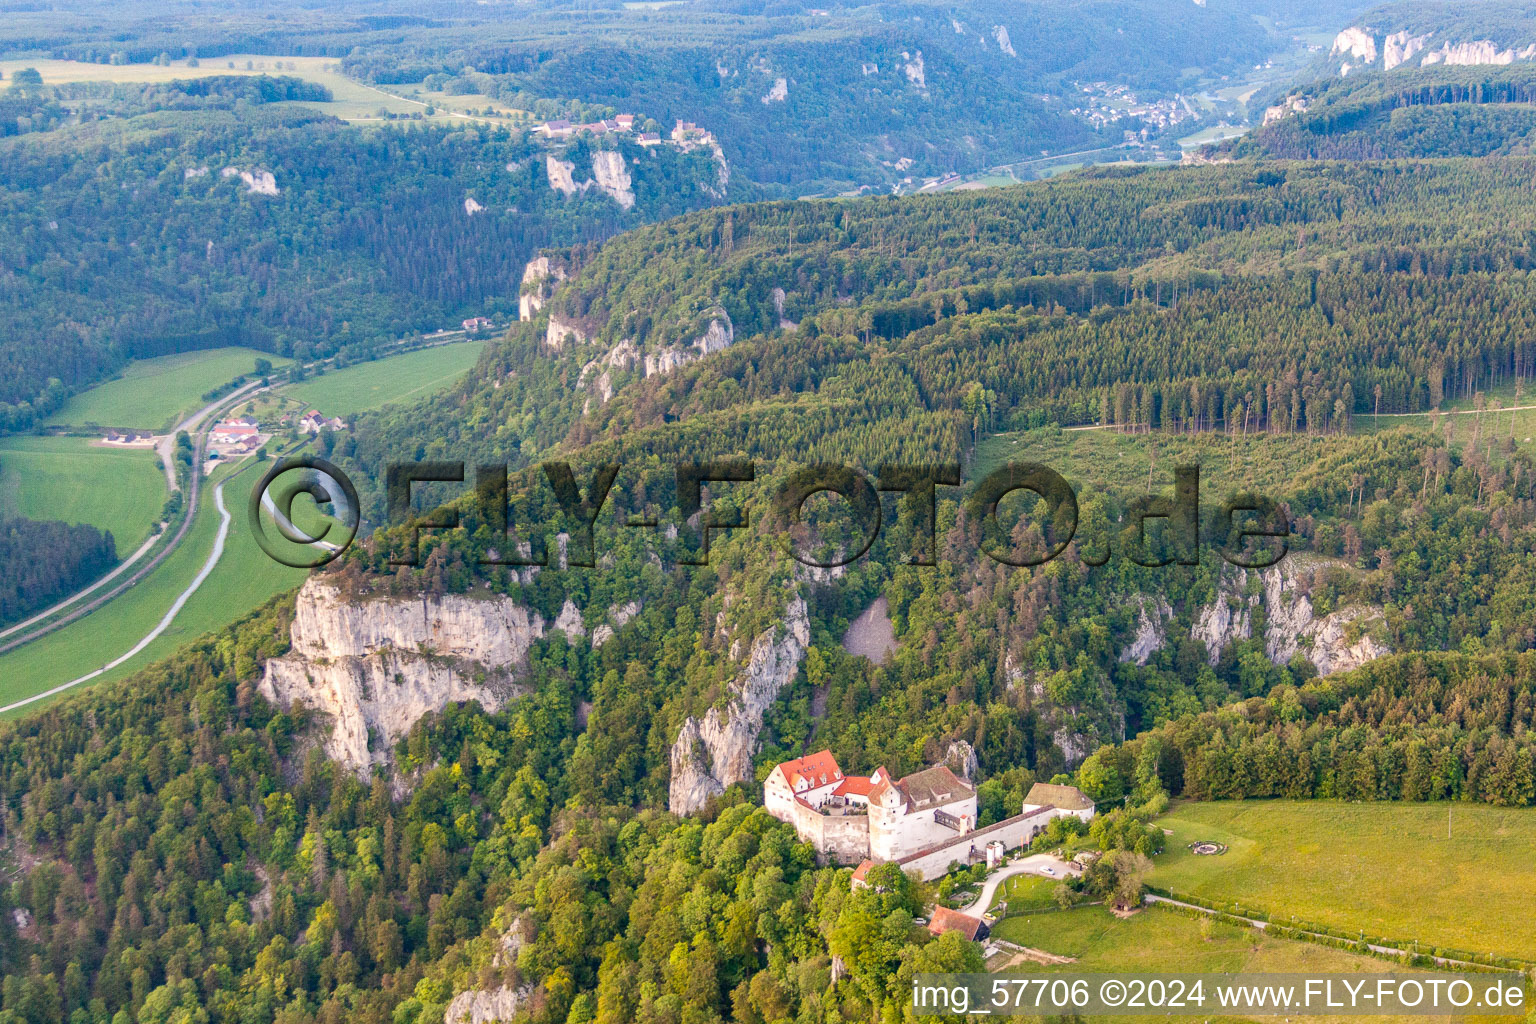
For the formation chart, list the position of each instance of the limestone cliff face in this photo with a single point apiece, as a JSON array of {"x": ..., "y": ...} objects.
[
  {"x": 375, "y": 667},
  {"x": 716, "y": 751},
  {"x": 497, "y": 1006},
  {"x": 1151, "y": 631},
  {"x": 1291, "y": 626},
  {"x": 560, "y": 331},
  {"x": 1359, "y": 47},
  {"x": 1354, "y": 42},
  {"x": 610, "y": 175},
  {"x": 597, "y": 374},
  {"x": 540, "y": 277}
]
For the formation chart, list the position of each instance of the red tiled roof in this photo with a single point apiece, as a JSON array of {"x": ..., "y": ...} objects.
[
  {"x": 818, "y": 769},
  {"x": 862, "y": 871},
  {"x": 946, "y": 920},
  {"x": 854, "y": 785}
]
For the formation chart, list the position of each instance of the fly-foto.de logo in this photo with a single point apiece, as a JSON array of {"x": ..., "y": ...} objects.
[{"x": 1247, "y": 530}]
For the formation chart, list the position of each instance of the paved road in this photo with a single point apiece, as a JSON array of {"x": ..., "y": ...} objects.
[
  {"x": 167, "y": 446},
  {"x": 1034, "y": 864},
  {"x": 77, "y": 595},
  {"x": 165, "y": 621},
  {"x": 443, "y": 337},
  {"x": 194, "y": 496}
]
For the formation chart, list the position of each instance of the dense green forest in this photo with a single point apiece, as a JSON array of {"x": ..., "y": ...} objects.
[
  {"x": 134, "y": 237},
  {"x": 181, "y": 850},
  {"x": 1406, "y": 113},
  {"x": 42, "y": 562}
]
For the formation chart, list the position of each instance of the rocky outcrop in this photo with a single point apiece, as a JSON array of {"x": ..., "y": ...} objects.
[
  {"x": 1482, "y": 51},
  {"x": 569, "y": 622},
  {"x": 961, "y": 758},
  {"x": 261, "y": 183},
  {"x": 375, "y": 667},
  {"x": 1151, "y": 632},
  {"x": 1336, "y": 642},
  {"x": 715, "y": 751},
  {"x": 1228, "y": 618},
  {"x": 610, "y": 175},
  {"x": 1289, "y": 105},
  {"x": 1359, "y": 46},
  {"x": 1354, "y": 42},
  {"x": 1000, "y": 34},
  {"x": 1400, "y": 46},
  {"x": 559, "y": 172},
  {"x": 471, "y": 207},
  {"x": 1325, "y": 642},
  {"x": 560, "y": 331},
  {"x": 540, "y": 276},
  {"x": 913, "y": 67},
  {"x": 718, "y": 336},
  {"x": 779, "y": 93},
  {"x": 497, "y": 1006},
  {"x": 618, "y": 617}
]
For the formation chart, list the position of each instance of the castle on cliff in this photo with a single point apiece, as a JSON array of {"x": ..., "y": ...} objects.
[{"x": 925, "y": 821}]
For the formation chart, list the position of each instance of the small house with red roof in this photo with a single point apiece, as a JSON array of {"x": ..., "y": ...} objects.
[{"x": 945, "y": 920}]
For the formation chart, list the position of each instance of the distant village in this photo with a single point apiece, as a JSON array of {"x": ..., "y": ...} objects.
[
  {"x": 1105, "y": 103},
  {"x": 685, "y": 135}
]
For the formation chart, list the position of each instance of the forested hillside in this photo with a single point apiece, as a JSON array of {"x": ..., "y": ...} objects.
[
  {"x": 138, "y": 236},
  {"x": 1407, "y": 113},
  {"x": 187, "y": 844}
]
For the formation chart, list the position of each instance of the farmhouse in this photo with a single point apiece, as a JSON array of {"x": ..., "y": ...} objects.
[
  {"x": 925, "y": 822},
  {"x": 233, "y": 432},
  {"x": 313, "y": 422}
]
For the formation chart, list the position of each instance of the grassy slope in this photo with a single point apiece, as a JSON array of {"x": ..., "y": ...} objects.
[
  {"x": 405, "y": 378},
  {"x": 68, "y": 478},
  {"x": 153, "y": 394},
  {"x": 1384, "y": 867},
  {"x": 1156, "y": 941}
]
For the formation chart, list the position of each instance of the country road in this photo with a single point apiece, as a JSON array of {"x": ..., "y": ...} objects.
[
  {"x": 1149, "y": 898},
  {"x": 165, "y": 621},
  {"x": 167, "y": 446},
  {"x": 195, "y": 494},
  {"x": 77, "y": 595},
  {"x": 165, "y": 449}
]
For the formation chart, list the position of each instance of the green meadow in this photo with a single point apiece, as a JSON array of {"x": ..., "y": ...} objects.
[
  {"x": 1386, "y": 868},
  {"x": 72, "y": 479},
  {"x": 410, "y": 377},
  {"x": 243, "y": 579},
  {"x": 154, "y": 394},
  {"x": 1158, "y": 941}
]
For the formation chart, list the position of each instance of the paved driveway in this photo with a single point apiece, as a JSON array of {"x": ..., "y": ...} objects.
[{"x": 1047, "y": 865}]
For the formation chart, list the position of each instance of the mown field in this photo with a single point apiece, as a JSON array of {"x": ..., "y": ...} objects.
[
  {"x": 1163, "y": 942},
  {"x": 1386, "y": 868},
  {"x": 72, "y": 480},
  {"x": 350, "y": 100},
  {"x": 404, "y": 378},
  {"x": 154, "y": 394}
]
